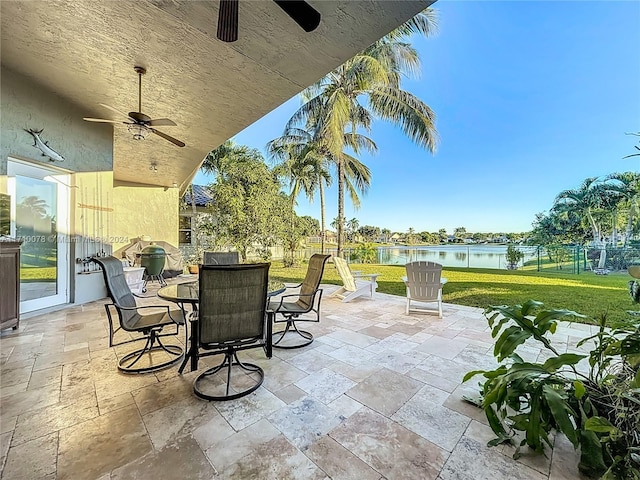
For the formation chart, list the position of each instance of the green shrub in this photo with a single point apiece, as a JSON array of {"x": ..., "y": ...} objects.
[
  {"x": 598, "y": 411},
  {"x": 365, "y": 253},
  {"x": 513, "y": 257}
]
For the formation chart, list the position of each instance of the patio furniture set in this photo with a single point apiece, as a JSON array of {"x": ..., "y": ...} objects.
[{"x": 231, "y": 310}]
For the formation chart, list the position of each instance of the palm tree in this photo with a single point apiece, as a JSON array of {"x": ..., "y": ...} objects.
[
  {"x": 353, "y": 225},
  {"x": 367, "y": 86},
  {"x": 628, "y": 186},
  {"x": 303, "y": 163},
  {"x": 306, "y": 160},
  {"x": 585, "y": 201}
]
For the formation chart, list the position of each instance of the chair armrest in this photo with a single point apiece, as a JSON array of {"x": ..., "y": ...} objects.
[
  {"x": 372, "y": 276},
  {"x": 141, "y": 307},
  {"x": 298, "y": 296}
]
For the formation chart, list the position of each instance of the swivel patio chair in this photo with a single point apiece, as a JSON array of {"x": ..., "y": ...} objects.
[
  {"x": 292, "y": 306},
  {"x": 424, "y": 283},
  {"x": 232, "y": 317},
  {"x": 133, "y": 318},
  {"x": 221, "y": 258},
  {"x": 354, "y": 284}
]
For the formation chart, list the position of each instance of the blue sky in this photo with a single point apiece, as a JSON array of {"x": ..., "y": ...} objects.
[{"x": 531, "y": 98}]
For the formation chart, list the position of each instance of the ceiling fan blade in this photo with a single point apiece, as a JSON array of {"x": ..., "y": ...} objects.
[
  {"x": 162, "y": 122},
  {"x": 102, "y": 120},
  {"x": 114, "y": 109},
  {"x": 301, "y": 12},
  {"x": 175, "y": 141},
  {"x": 228, "y": 21}
]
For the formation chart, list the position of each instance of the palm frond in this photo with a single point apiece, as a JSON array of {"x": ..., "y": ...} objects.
[{"x": 404, "y": 109}]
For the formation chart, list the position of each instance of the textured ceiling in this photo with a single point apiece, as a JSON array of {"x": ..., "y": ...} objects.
[{"x": 85, "y": 51}]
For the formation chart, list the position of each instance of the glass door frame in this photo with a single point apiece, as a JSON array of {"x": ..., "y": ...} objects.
[{"x": 61, "y": 178}]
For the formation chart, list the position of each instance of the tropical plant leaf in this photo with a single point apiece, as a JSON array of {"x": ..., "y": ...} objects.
[
  {"x": 600, "y": 425},
  {"x": 530, "y": 305},
  {"x": 579, "y": 388},
  {"x": 494, "y": 422},
  {"x": 472, "y": 374},
  {"x": 554, "y": 363},
  {"x": 561, "y": 412},
  {"x": 534, "y": 431},
  {"x": 511, "y": 337}
]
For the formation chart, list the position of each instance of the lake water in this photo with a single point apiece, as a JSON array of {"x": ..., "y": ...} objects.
[{"x": 469, "y": 256}]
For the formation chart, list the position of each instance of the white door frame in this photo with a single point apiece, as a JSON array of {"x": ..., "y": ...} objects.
[{"x": 61, "y": 178}]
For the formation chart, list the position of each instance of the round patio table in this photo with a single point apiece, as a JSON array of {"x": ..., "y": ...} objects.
[{"x": 188, "y": 293}]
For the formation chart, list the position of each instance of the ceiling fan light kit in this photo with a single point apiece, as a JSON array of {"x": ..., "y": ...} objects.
[
  {"x": 138, "y": 123},
  {"x": 138, "y": 131}
]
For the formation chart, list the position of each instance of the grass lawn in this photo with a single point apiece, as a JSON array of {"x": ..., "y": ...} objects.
[
  {"x": 586, "y": 293},
  {"x": 37, "y": 274}
]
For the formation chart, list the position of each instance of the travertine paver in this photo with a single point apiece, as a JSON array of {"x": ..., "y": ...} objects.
[{"x": 376, "y": 395}]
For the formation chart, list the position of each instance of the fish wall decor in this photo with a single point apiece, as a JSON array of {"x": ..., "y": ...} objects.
[{"x": 43, "y": 146}]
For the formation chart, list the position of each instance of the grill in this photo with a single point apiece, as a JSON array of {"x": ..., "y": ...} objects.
[{"x": 152, "y": 258}]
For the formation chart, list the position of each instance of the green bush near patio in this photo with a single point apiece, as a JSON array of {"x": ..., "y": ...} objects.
[{"x": 586, "y": 293}]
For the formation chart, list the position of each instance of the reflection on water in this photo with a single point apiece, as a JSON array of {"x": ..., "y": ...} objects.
[{"x": 470, "y": 256}]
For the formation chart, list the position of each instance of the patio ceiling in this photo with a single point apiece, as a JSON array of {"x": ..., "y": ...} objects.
[{"x": 85, "y": 51}]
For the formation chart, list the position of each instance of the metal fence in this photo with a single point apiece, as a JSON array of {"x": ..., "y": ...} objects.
[{"x": 558, "y": 258}]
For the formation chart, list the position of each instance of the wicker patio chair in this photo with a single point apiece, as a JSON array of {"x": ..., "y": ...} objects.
[
  {"x": 292, "y": 306},
  {"x": 232, "y": 316},
  {"x": 424, "y": 283},
  {"x": 135, "y": 319}
]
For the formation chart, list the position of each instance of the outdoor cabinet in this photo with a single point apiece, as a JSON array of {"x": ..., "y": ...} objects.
[{"x": 9, "y": 283}]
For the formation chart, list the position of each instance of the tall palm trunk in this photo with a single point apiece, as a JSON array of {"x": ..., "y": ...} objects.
[
  {"x": 598, "y": 240},
  {"x": 322, "y": 217},
  {"x": 195, "y": 236},
  {"x": 340, "y": 207},
  {"x": 632, "y": 213}
]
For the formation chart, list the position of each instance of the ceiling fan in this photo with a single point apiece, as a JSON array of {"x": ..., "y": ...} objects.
[
  {"x": 138, "y": 123},
  {"x": 301, "y": 12}
]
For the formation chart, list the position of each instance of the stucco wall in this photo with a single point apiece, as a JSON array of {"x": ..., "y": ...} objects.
[
  {"x": 86, "y": 147},
  {"x": 103, "y": 218},
  {"x": 141, "y": 211}
]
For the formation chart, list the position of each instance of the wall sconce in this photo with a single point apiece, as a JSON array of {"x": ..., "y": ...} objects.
[{"x": 154, "y": 167}]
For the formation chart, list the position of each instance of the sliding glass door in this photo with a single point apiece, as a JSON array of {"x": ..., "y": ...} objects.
[{"x": 40, "y": 218}]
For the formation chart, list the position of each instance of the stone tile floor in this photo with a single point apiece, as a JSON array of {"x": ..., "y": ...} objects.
[{"x": 377, "y": 395}]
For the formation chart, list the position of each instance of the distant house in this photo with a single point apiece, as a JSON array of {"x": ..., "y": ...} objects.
[
  {"x": 395, "y": 238},
  {"x": 329, "y": 237},
  {"x": 186, "y": 221}
]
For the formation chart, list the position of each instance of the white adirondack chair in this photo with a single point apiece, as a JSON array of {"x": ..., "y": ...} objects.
[
  {"x": 424, "y": 283},
  {"x": 353, "y": 285}
]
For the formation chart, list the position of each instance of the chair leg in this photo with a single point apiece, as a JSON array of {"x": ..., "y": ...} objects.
[
  {"x": 152, "y": 345},
  {"x": 291, "y": 326},
  {"x": 230, "y": 360},
  {"x": 106, "y": 307}
]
